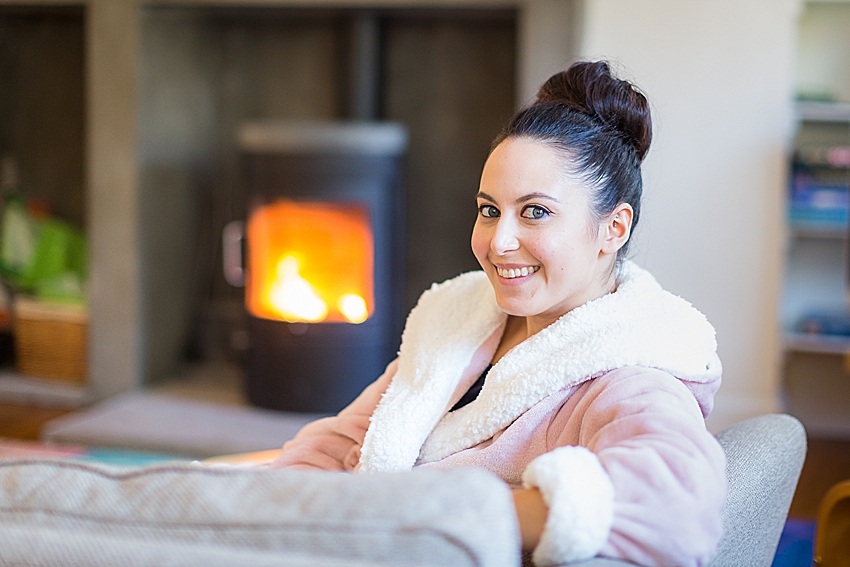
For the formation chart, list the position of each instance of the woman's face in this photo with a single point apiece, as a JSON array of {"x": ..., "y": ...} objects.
[{"x": 535, "y": 236}]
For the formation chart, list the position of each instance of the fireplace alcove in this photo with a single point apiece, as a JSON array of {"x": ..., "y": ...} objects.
[
  {"x": 166, "y": 85},
  {"x": 448, "y": 76}
]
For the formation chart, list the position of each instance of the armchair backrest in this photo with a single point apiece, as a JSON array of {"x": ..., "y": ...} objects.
[{"x": 764, "y": 457}]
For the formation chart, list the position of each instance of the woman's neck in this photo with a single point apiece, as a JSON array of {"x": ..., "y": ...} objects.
[{"x": 518, "y": 329}]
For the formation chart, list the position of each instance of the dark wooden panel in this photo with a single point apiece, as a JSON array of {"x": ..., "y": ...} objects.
[
  {"x": 42, "y": 106},
  {"x": 448, "y": 75},
  {"x": 452, "y": 82}
]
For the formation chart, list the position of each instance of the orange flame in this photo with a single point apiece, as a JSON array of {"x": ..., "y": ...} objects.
[{"x": 310, "y": 262}]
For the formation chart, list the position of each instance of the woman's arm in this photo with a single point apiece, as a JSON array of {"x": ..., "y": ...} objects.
[
  {"x": 531, "y": 510},
  {"x": 632, "y": 474},
  {"x": 333, "y": 443}
]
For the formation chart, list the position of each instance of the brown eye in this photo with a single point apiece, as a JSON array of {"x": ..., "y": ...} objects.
[
  {"x": 535, "y": 212},
  {"x": 488, "y": 211}
]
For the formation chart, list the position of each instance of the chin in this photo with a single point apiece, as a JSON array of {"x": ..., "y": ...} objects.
[{"x": 516, "y": 307}]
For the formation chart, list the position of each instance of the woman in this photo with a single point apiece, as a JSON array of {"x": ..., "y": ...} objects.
[{"x": 562, "y": 368}]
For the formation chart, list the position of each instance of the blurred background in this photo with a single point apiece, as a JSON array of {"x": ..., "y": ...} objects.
[{"x": 122, "y": 166}]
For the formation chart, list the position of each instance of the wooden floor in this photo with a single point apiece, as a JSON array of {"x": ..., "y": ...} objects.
[{"x": 827, "y": 461}]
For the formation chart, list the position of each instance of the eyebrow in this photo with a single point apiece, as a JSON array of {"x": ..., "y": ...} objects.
[{"x": 523, "y": 199}]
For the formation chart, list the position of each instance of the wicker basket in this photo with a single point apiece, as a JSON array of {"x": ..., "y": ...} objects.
[{"x": 51, "y": 340}]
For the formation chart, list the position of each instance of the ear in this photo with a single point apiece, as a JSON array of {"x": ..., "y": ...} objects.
[{"x": 617, "y": 228}]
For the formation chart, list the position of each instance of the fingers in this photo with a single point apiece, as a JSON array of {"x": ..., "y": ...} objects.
[
  {"x": 353, "y": 427},
  {"x": 328, "y": 444},
  {"x": 326, "y": 452}
]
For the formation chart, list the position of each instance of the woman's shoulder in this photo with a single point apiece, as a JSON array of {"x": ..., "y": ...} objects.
[
  {"x": 659, "y": 328},
  {"x": 629, "y": 394},
  {"x": 637, "y": 286},
  {"x": 638, "y": 386}
]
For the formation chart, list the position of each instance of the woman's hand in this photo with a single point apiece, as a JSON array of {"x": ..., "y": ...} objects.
[
  {"x": 328, "y": 444},
  {"x": 532, "y": 512}
]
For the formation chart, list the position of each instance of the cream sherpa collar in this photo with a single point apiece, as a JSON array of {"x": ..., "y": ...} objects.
[{"x": 639, "y": 324}]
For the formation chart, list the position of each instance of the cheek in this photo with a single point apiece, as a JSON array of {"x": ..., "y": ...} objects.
[
  {"x": 555, "y": 257},
  {"x": 480, "y": 243},
  {"x": 545, "y": 250}
]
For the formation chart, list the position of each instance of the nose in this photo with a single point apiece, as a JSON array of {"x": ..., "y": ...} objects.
[{"x": 504, "y": 237}]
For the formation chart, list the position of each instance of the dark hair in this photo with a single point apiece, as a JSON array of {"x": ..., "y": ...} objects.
[{"x": 602, "y": 123}]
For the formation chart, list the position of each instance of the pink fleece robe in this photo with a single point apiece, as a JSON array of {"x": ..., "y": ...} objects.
[{"x": 643, "y": 423}]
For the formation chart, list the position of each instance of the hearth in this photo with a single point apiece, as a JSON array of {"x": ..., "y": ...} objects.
[{"x": 322, "y": 243}]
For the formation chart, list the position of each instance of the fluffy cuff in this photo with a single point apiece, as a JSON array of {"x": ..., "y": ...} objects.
[{"x": 580, "y": 497}]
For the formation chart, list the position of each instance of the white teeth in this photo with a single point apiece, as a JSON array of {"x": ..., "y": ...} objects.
[{"x": 516, "y": 273}]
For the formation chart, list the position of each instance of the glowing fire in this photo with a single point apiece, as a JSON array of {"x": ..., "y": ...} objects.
[
  {"x": 310, "y": 262},
  {"x": 293, "y": 297},
  {"x": 353, "y": 307}
]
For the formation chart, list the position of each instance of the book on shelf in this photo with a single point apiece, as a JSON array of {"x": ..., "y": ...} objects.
[
  {"x": 834, "y": 324},
  {"x": 820, "y": 205},
  {"x": 823, "y": 155},
  {"x": 820, "y": 187}
]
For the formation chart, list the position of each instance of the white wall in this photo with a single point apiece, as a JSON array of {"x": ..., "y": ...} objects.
[
  {"x": 719, "y": 76},
  {"x": 549, "y": 39}
]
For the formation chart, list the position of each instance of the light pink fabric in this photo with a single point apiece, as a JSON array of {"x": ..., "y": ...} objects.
[
  {"x": 645, "y": 426},
  {"x": 333, "y": 443}
]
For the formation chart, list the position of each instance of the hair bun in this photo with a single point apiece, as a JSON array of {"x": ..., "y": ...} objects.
[{"x": 590, "y": 88}]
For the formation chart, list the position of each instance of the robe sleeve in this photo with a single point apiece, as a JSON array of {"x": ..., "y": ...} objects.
[
  {"x": 632, "y": 474},
  {"x": 333, "y": 443}
]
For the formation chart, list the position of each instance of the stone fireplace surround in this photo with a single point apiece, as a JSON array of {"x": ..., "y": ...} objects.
[{"x": 122, "y": 329}]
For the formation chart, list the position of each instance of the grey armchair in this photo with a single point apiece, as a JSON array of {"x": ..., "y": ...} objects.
[
  {"x": 765, "y": 455},
  {"x": 63, "y": 513}
]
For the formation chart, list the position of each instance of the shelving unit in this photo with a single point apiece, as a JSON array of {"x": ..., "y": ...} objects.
[
  {"x": 819, "y": 344},
  {"x": 823, "y": 111},
  {"x": 816, "y": 367},
  {"x": 818, "y": 212},
  {"x": 817, "y": 276},
  {"x": 822, "y": 231}
]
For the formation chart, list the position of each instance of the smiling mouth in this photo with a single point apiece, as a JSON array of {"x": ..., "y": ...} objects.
[{"x": 516, "y": 272}]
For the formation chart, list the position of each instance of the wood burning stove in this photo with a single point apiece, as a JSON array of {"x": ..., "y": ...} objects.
[{"x": 323, "y": 287}]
